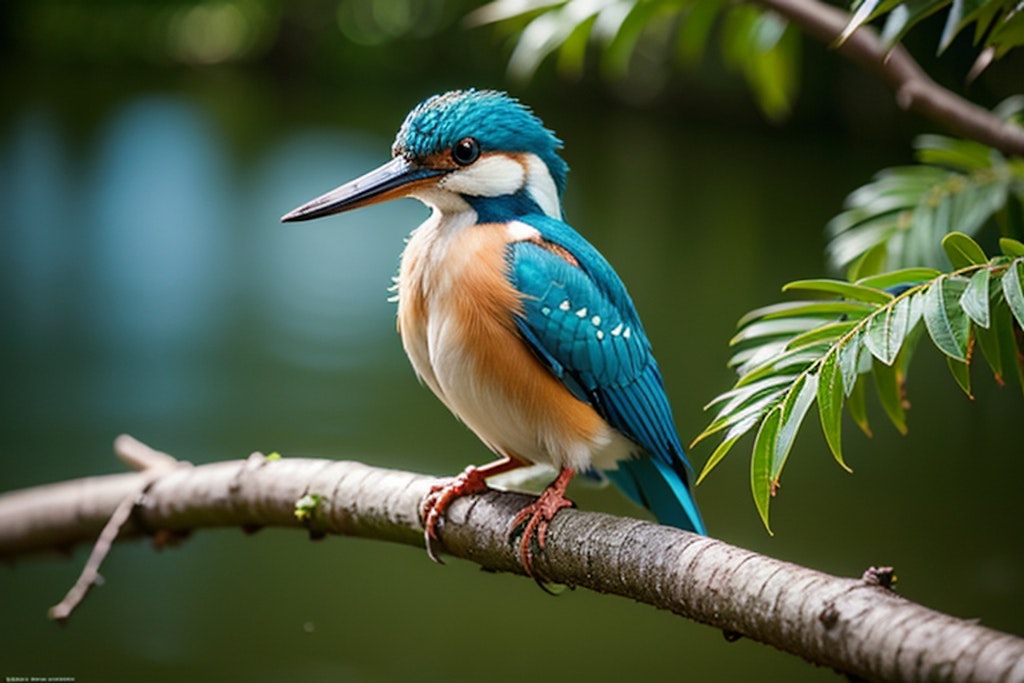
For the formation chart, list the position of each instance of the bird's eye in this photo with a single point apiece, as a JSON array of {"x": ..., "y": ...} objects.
[{"x": 466, "y": 151}]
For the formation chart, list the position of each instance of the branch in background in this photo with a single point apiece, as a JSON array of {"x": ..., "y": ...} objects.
[
  {"x": 856, "y": 626},
  {"x": 915, "y": 90},
  {"x": 753, "y": 44}
]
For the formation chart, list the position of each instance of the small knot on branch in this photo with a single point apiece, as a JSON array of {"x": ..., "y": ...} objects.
[
  {"x": 879, "y": 576},
  {"x": 829, "y": 616}
]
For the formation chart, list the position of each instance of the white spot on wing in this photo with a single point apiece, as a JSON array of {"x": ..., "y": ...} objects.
[
  {"x": 522, "y": 232},
  {"x": 596, "y": 320},
  {"x": 600, "y": 334},
  {"x": 582, "y": 313},
  {"x": 564, "y": 306},
  {"x": 617, "y": 330}
]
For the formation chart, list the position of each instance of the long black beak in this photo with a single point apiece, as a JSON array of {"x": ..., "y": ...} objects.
[{"x": 394, "y": 179}]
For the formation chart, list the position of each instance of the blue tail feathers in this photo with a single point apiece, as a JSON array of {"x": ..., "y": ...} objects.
[{"x": 660, "y": 488}]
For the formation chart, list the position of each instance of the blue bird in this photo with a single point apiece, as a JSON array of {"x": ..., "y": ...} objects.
[{"x": 516, "y": 322}]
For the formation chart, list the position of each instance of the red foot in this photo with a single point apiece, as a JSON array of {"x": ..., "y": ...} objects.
[
  {"x": 538, "y": 516},
  {"x": 470, "y": 480}
]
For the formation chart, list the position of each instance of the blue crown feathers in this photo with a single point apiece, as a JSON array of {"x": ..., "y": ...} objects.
[{"x": 498, "y": 122}]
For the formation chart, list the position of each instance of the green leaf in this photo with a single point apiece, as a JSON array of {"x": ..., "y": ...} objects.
[
  {"x": 847, "y": 290},
  {"x": 753, "y": 356},
  {"x": 794, "y": 408},
  {"x": 947, "y": 323},
  {"x": 830, "y": 406},
  {"x": 916, "y": 311},
  {"x": 962, "y": 374},
  {"x": 890, "y": 394},
  {"x": 906, "y": 211},
  {"x": 1014, "y": 292},
  {"x": 869, "y": 263},
  {"x": 761, "y": 464},
  {"x": 1011, "y": 247},
  {"x": 855, "y": 404},
  {"x": 905, "y": 276},
  {"x": 541, "y": 37},
  {"x": 864, "y": 12},
  {"x": 736, "y": 32},
  {"x": 1002, "y": 323},
  {"x": 736, "y": 397},
  {"x": 716, "y": 457},
  {"x": 824, "y": 333},
  {"x": 989, "y": 341},
  {"x": 795, "y": 361},
  {"x": 953, "y": 25},
  {"x": 753, "y": 411},
  {"x": 886, "y": 330},
  {"x": 772, "y": 69},
  {"x": 985, "y": 16},
  {"x": 776, "y": 327},
  {"x": 921, "y": 244},
  {"x": 849, "y": 360},
  {"x": 974, "y": 300},
  {"x": 626, "y": 34},
  {"x": 963, "y": 251},
  {"x": 854, "y": 310},
  {"x": 1008, "y": 32},
  {"x": 954, "y": 153},
  {"x": 914, "y": 335},
  {"x": 1011, "y": 218},
  {"x": 695, "y": 31},
  {"x": 572, "y": 53},
  {"x": 861, "y": 236},
  {"x": 906, "y": 15}
]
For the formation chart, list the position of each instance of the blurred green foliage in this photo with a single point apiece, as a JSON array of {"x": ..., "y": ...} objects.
[
  {"x": 998, "y": 24},
  {"x": 147, "y": 150},
  {"x": 900, "y": 218},
  {"x": 215, "y": 31},
  {"x": 628, "y": 35}
]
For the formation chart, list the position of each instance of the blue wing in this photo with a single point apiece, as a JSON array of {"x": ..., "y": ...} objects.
[{"x": 581, "y": 323}]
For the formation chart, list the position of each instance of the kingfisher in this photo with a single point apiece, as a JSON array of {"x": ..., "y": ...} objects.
[{"x": 514, "y": 320}]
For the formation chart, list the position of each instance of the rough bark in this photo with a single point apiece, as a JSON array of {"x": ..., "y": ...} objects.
[{"x": 857, "y": 626}]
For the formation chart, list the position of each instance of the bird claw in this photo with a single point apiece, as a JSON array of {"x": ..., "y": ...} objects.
[
  {"x": 470, "y": 480},
  {"x": 537, "y": 518},
  {"x": 534, "y": 519}
]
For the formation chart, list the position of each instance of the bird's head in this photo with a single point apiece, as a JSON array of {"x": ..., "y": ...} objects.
[{"x": 465, "y": 149}]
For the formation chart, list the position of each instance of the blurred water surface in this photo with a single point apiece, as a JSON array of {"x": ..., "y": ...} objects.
[{"x": 148, "y": 288}]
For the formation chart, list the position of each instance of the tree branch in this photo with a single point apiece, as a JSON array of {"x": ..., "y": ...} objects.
[
  {"x": 152, "y": 464},
  {"x": 856, "y": 626},
  {"x": 915, "y": 90}
]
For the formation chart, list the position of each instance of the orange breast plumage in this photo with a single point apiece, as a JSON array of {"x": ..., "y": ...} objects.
[{"x": 456, "y": 317}]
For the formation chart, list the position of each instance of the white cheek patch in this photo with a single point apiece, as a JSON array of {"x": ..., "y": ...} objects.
[
  {"x": 490, "y": 176},
  {"x": 446, "y": 203},
  {"x": 541, "y": 186}
]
